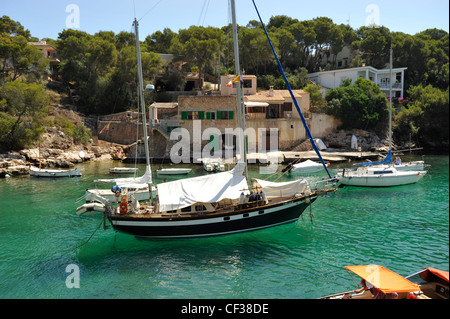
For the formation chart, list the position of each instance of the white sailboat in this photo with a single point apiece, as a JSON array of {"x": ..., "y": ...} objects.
[
  {"x": 137, "y": 188},
  {"x": 215, "y": 204},
  {"x": 384, "y": 173}
]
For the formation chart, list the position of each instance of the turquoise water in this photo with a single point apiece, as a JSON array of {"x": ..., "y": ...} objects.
[{"x": 403, "y": 228}]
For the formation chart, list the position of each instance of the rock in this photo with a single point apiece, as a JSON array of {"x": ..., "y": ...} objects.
[
  {"x": 58, "y": 150},
  {"x": 13, "y": 164},
  {"x": 341, "y": 139}
]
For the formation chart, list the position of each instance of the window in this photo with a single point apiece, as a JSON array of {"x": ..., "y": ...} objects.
[
  {"x": 247, "y": 84},
  {"x": 256, "y": 109},
  {"x": 286, "y": 107},
  {"x": 192, "y": 115},
  {"x": 200, "y": 208},
  {"x": 225, "y": 115},
  {"x": 211, "y": 115},
  {"x": 273, "y": 111}
]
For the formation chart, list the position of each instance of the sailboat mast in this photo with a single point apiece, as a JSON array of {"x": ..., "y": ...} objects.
[
  {"x": 239, "y": 104},
  {"x": 141, "y": 96},
  {"x": 390, "y": 98}
]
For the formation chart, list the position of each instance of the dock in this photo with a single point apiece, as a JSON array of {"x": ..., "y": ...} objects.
[
  {"x": 284, "y": 157},
  {"x": 333, "y": 157}
]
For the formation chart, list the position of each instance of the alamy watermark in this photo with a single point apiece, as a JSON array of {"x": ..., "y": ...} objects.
[
  {"x": 73, "y": 279},
  {"x": 373, "y": 19},
  {"x": 73, "y": 19},
  {"x": 226, "y": 146}
]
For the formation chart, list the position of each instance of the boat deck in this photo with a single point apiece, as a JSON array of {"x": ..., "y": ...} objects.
[{"x": 146, "y": 210}]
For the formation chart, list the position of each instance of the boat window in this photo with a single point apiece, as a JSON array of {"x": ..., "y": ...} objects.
[
  {"x": 200, "y": 208},
  {"x": 382, "y": 172},
  {"x": 186, "y": 209}
]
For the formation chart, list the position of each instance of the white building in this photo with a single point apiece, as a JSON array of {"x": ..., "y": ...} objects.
[{"x": 332, "y": 79}]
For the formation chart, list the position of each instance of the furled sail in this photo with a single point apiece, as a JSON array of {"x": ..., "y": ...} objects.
[
  {"x": 202, "y": 189},
  {"x": 127, "y": 181},
  {"x": 386, "y": 160},
  {"x": 281, "y": 189}
]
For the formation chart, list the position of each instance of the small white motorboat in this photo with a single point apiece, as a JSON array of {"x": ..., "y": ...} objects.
[
  {"x": 35, "y": 171},
  {"x": 123, "y": 170},
  {"x": 305, "y": 167},
  {"x": 173, "y": 171},
  {"x": 209, "y": 167},
  {"x": 213, "y": 165}
]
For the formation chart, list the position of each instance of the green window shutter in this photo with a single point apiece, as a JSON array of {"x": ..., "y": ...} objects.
[
  {"x": 208, "y": 115},
  {"x": 230, "y": 115},
  {"x": 184, "y": 115},
  {"x": 201, "y": 115},
  {"x": 219, "y": 115}
]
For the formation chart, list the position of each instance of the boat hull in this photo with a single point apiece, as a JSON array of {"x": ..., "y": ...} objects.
[
  {"x": 175, "y": 171},
  {"x": 380, "y": 180},
  {"x": 122, "y": 170},
  {"x": 214, "y": 225},
  {"x": 54, "y": 172}
]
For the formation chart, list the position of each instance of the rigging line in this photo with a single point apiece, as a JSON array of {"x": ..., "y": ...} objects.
[
  {"x": 206, "y": 10},
  {"x": 150, "y": 10},
  {"x": 292, "y": 95},
  {"x": 201, "y": 12}
]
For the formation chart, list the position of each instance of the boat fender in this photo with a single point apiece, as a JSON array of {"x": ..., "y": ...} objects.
[{"x": 123, "y": 206}]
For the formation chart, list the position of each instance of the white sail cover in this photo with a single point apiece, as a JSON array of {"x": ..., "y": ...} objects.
[
  {"x": 282, "y": 189},
  {"x": 130, "y": 181},
  {"x": 203, "y": 189}
]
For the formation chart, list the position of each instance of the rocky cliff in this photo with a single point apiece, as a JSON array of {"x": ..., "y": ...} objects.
[{"x": 58, "y": 150}]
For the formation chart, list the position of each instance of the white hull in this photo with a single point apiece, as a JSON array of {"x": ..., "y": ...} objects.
[
  {"x": 173, "y": 171},
  {"x": 381, "y": 177},
  {"x": 140, "y": 195},
  {"x": 411, "y": 166},
  {"x": 34, "y": 171},
  {"x": 213, "y": 165},
  {"x": 91, "y": 207},
  {"x": 122, "y": 170},
  {"x": 306, "y": 167}
]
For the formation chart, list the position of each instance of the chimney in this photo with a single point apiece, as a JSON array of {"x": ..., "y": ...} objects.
[{"x": 271, "y": 90}]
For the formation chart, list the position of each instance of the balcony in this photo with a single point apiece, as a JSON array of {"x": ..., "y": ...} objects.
[{"x": 385, "y": 86}]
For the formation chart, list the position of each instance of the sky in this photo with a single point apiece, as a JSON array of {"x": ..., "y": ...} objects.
[{"x": 45, "y": 19}]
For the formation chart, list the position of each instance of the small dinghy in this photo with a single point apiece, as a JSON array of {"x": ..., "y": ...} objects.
[
  {"x": 90, "y": 207},
  {"x": 306, "y": 167},
  {"x": 122, "y": 170}
]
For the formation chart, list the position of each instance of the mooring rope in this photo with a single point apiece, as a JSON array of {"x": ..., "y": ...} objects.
[{"x": 92, "y": 235}]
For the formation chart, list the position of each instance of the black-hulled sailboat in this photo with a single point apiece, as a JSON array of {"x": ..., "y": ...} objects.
[{"x": 214, "y": 204}]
